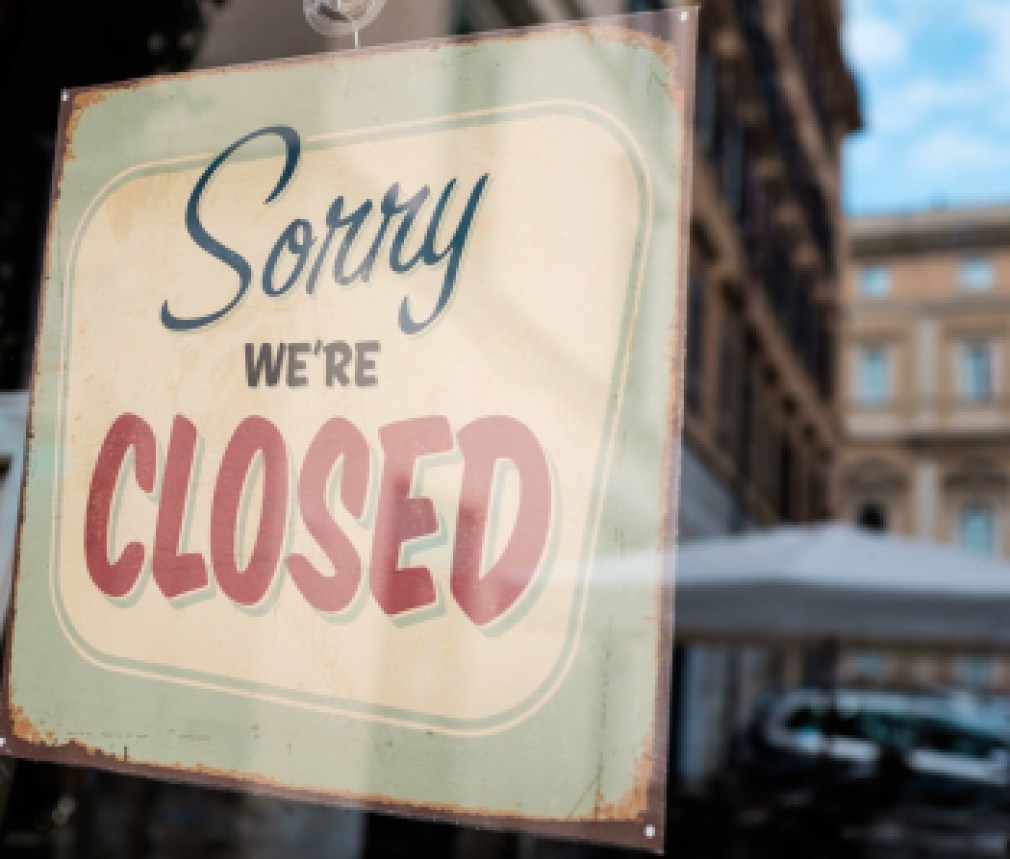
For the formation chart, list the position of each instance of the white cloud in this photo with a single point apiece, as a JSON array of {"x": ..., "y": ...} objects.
[
  {"x": 992, "y": 19},
  {"x": 918, "y": 102},
  {"x": 936, "y": 80},
  {"x": 953, "y": 151},
  {"x": 873, "y": 42}
]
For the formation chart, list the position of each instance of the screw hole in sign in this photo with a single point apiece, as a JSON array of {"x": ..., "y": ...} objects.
[{"x": 334, "y": 18}]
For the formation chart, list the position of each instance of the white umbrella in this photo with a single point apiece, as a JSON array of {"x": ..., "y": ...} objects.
[{"x": 835, "y": 583}]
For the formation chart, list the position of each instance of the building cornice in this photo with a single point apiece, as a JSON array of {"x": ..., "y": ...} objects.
[{"x": 922, "y": 232}]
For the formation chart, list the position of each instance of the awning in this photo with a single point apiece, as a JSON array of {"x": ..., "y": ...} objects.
[{"x": 835, "y": 583}]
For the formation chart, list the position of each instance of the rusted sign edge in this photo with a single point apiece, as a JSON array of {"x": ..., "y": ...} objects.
[
  {"x": 619, "y": 833},
  {"x": 676, "y": 30},
  {"x": 685, "y": 34}
]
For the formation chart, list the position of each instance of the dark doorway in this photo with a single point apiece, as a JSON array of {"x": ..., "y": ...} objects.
[{"x": 873, "y": 517}]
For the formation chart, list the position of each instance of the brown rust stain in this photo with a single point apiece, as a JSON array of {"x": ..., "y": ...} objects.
[
  {"x": 664, "y": 50},
  {"x": 620, "y": 822},
  {"x": 23, "y": 728},
  {"x": 614, "y": 828},
  {"x": 635, "y": 803},
  {"x": 79, "y": 102}
]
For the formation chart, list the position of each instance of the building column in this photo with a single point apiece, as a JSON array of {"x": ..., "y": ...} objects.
[
  {"x": 927, "y": 346},
  {"x": 927, "y": 496}
]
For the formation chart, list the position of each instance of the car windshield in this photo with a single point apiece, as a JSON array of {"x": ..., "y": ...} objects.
[
  {"x": 936, "y": 735},
  {"x": 898, "y": 730},
  {"x": 886, "y": 729}
]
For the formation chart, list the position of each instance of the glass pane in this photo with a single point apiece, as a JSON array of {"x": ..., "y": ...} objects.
[
  {"x": 873, "y": 380},
  {"x": 875, "y": 282},
  {"x": 355, "y": 434},
  {"x": 977, "y": 673},
  {"x": 835, "y": 141},
  {"x": 976, "y": 275},
  {"x": 978, "y": 530},
  {"x": 976, "y": 371}
]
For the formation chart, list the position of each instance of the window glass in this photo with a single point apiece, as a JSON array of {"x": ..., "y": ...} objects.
[
  {"x": 942, "y": 736},
  {"x": 977, "y": 529},
  {"x": 975, "y": 275},
  {"x": 877, "y": 727},
  {"x": 695, "y": 341},
  {"x": 868, "y": 665},
  {"x": 976, "y": 371},
  {"x": 873, "y": 381},
  {"x": 976, "y": 672},
  {"x": 805, "y": 720},
  {"x": 707, "y": 103},
  {"x": 786, "y": 498},
  {"x": 875, "y": 281}
]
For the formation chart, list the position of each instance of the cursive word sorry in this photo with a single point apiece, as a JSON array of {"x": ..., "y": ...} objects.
[{"x": 345, "y": 229}]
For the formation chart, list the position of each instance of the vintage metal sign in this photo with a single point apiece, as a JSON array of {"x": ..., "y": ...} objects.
[{"x": 355, "y": 427}]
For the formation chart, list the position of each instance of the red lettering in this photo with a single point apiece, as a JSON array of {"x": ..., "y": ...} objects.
[
  {"x": 400, "y": 518},
  {"x": 337, "y": 439},
  {"x": 485, "y": 588},
  {"x": 177, "y": 574},
  {"x": 255, "y": 435},
  {"x": 117, "y": 578},
  {"x": 487, "y": 597}
]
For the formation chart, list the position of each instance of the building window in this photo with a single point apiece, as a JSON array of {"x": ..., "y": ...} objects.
[
  {"x": 976, "y": 372},
  {"x": 707, "y": 101},
  {"x": 975, "y": 672},
  {"x": 875, "y": 281},
  {"x": 745, "y": 431},
  {"x": 734, "y": 154},
  {"x": 730, "y": 367},
  {"x": 463, "y": 23},
  {"x": 873, "y": 380},
  {"x": 868, "y": 665},
  {"x": 976, "y": 275},
  {"x": 695, "y": 341},
  {"x": 786, "y": 467},
  {"x": 977, "y": 530},
  {"x": 817, "y": 501},
  {"x": 872, "y": 516}
]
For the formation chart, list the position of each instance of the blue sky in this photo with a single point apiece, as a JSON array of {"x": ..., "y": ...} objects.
[{"x": 934, "y": 76}]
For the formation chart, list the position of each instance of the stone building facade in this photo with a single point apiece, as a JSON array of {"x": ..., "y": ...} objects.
[{"x": 927, "y": 400}]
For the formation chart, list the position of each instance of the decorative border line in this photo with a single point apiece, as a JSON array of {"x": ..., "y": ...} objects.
[{"x": 370, "y": 712}]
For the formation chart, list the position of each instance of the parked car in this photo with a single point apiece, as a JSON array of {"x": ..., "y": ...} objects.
[{"x": 889, "y": 746}]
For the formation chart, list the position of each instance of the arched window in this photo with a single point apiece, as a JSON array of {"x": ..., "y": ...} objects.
[{"x": 872, "y": 516}]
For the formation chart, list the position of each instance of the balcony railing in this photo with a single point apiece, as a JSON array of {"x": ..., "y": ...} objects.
[
  {"x": 803, "y": 47},
  {"x": 816, "y": 209},
  {"x": 732, "y": 152},
  {"x": 940, "y": 415}
]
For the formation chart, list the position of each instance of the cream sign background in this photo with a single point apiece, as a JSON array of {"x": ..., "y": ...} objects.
[
  {"x": 442, "y": 483},
  {"x": 136, "y": 236}
]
